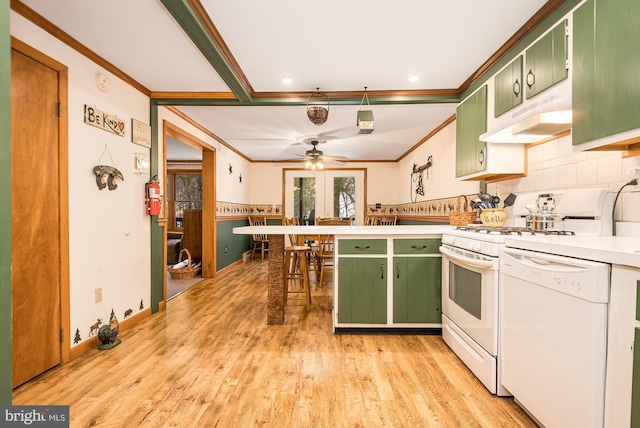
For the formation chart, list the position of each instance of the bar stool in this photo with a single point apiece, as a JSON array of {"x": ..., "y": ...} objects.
[{"x": 295, "y": 268}]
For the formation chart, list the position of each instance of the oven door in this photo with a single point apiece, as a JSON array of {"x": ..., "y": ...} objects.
[{"x": 470, "y": 294}]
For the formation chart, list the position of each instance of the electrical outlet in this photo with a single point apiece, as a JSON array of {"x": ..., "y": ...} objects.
[
  {"x": 98, "y": 294},
  {"x": 226, "y": 249},
  {"x": 633, "y": 173}
]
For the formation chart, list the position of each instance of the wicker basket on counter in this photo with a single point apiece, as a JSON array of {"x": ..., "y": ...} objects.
[
  {"x": 186, "y": 272},
  {"x": 461, "y": 216}
]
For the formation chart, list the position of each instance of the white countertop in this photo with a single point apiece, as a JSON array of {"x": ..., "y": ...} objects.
[
  {"x": 618, "y": 250},
  {"x": 386, "y": 231}
]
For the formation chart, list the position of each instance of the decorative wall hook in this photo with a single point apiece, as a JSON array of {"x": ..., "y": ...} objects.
[
  {"x": 107, "y": 175},
  {"x": 416, "y": 177}
]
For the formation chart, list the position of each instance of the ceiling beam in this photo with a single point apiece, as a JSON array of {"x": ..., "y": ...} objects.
[
  {"x": 189, "y": 15},
  {"x": 426, "y": 96}
]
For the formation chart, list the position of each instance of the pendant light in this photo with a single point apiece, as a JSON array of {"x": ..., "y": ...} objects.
[
  {"x": 318, "y": 107},
  {"x": 365, "y": 117}
]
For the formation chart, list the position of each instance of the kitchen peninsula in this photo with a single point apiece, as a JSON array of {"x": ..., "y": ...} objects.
[{"x": 360, "y": 247}]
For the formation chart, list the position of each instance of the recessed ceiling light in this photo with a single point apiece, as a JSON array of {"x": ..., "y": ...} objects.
[
  {"x": 414, "y": 78},
  {"x": 287, "y": 80}
]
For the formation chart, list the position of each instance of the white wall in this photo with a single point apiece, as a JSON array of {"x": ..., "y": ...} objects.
[
  {"x": 555, "y": 165},
  {"x": 108, "y": 230},
  {"x": 440, "y": 180},
  {"x": 266, "y": 187},
  {"x": 228, "y": 186}
]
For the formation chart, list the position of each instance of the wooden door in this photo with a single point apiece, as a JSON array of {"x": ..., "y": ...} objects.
[{"x": 35, "y": 213}]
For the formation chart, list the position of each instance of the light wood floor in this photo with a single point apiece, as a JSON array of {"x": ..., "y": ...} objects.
[{"x": 211, "y": 360}]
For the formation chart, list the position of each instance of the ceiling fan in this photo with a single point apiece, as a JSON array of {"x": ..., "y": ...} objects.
[{"x": 315, "y": 159}]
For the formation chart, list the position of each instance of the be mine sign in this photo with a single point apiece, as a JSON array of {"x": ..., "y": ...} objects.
[{"x": 102, "y": 120}]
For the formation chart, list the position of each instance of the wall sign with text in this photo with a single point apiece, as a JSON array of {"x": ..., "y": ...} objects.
[
  {"x": 140, "y": 133},
  {"x": 102, "y": 120}
]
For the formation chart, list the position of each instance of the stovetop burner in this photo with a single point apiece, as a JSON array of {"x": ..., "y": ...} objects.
[{"x": 510, "y": 230}]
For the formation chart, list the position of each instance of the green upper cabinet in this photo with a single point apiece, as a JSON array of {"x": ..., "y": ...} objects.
[
  {"x": 606, "y": 93},
  {"x": 546, "y": 61},
  {"x": 508, "y": 87},
  {"x": 471, "y": 122}
]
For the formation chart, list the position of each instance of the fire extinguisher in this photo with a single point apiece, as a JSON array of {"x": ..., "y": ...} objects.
[{"x": 152, "y": 196}]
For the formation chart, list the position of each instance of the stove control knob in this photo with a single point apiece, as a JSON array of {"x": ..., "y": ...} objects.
[
  {"x": 448, "y": 240},
  {"x": 477, "y": 246}
]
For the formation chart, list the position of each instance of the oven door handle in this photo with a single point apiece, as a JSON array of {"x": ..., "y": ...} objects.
[{"x": 466, "y": 261}]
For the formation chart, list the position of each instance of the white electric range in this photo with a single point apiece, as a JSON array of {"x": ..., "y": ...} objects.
[{"x": 471, "y": 274}]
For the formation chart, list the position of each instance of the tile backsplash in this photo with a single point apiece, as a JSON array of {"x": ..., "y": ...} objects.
[{"x": 555, "y": 165}]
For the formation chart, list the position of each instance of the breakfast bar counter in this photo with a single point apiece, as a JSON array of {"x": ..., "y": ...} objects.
[{"x": 275, "y": 296}]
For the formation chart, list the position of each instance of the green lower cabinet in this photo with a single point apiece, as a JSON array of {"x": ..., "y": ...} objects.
[
  {"x": 362, "y": 290},
  {"x": 635, "y": 389},
  {"x": 417, "y": 289}
]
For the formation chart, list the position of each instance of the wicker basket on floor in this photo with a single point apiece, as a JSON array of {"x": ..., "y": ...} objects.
[
  {"x": 460, "y": 217},
  {"x": 186, "y": 272}
]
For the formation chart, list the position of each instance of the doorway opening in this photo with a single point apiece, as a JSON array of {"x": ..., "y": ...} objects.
[{"x": 189, "y": 212}]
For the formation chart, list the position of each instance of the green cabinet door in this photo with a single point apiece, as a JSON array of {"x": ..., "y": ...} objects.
[
  {"x": 582, "y": 90},
  {"x": 417, "y": 289},
  {"x": 471, "y": 122},
  {"x": 546, "y": 61},
  {"x": 635, "y": 388},
  {"x": 508, "y": 87},
  {"x": 606, "y": 94},
  {"x": 362, "y": 290}
]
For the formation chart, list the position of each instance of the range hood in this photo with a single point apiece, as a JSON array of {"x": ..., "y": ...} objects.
[{"x": 536, "y": 119}]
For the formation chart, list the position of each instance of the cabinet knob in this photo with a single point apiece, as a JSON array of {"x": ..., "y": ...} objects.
[
  {"x": 531, "y": 79},
  {"x": 381, "y": 271},
  {"x": 516, "y": 88},
  {"x": 397, "y": 270},
  {"x": 481, "y": 157}
]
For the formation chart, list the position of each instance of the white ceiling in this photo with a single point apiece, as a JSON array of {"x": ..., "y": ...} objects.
[{"x": 336, "y": 45}]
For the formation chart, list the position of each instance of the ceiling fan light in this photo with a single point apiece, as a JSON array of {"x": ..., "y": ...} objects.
[{"x": 365, "y": 121}]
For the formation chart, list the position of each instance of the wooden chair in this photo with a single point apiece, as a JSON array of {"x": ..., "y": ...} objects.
[
  {"x": 295, "y": 267},
  {"x": 387, "y": 220},
  {"x": 324, "y": 256},
  {"x": 259, "y": 240},
  {"x": 333, "y": 221},
  {"x": 370, "y": 220}
]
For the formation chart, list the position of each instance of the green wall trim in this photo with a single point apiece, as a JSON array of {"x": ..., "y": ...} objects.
[
  {"x": 197, "y": 32},
  {"x": 389, "y": 100},
  {"x": 157, "y": 232},
  {"x": 5, "y": 206},
  {"x": 419, "y": 222},
  {"x": 638, "y": 300}
]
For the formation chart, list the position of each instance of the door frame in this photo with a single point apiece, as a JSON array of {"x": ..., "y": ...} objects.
[
  {"x": 359, "y": 217},
  {"x": 208, "y": 196},
  {"x": 63, "y": 183}
]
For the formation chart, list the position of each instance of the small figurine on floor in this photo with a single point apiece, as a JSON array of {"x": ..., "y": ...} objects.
[{"x": 107, "y": 333}]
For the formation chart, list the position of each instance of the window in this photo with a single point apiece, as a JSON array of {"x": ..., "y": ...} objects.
[
  {"x": 184, "y": 192},
  {"x": 344, "y": 197},
  {"x": 304, "y": 199}
]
